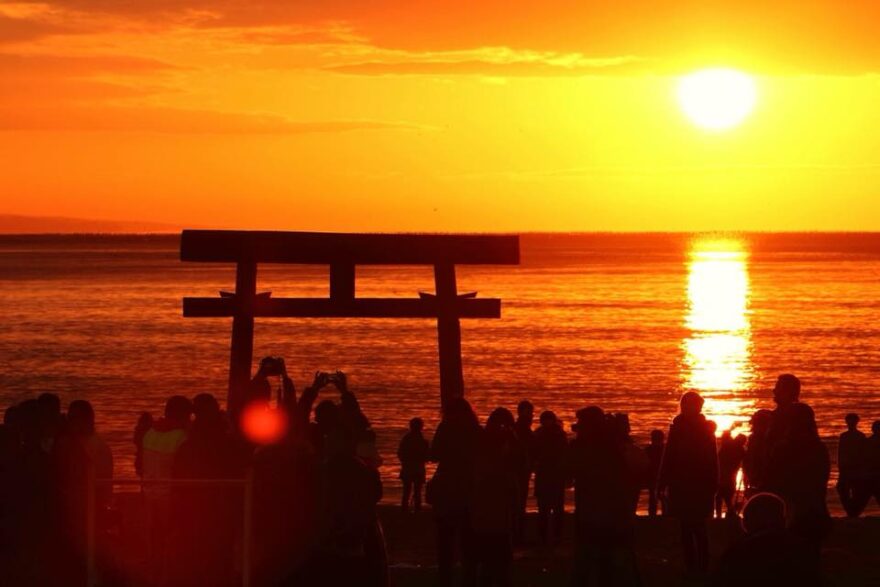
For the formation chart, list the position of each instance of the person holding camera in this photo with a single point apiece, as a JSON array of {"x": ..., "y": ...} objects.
[{"x": 260, "y": 387}]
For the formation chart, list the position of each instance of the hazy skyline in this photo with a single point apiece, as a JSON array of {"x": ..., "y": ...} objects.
[{"x": 437, "y": 115}]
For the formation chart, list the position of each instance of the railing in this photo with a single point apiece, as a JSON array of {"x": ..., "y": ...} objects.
[{"x": 247, "y": 483}]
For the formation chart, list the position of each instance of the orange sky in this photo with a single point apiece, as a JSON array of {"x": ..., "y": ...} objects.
[{"x": 437, "y": 115}]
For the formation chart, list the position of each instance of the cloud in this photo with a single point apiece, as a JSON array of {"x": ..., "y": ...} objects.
[
  {"x": 17, "y": 30},
  {"x": 176, "y": 121},
  {"x": 787, "y": 35},
  {"x": 38, "y": 65},
  {"x": 515, "y": 68}
]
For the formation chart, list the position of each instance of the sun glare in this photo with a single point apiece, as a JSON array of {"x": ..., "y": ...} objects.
[
  {"x": 717, "y": 99},
  {"x": 717, "y": 354}
]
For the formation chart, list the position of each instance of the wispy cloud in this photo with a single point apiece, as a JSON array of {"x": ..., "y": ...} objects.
[{"x": 505, "y": 63}]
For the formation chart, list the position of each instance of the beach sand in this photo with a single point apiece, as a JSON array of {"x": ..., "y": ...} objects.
[{"x": 850, "y": 555}]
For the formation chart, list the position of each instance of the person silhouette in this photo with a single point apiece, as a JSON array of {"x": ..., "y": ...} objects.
[
  {"x": 604, "y": 509},
  {"x": 689, "y": 476},
  {"x": 768, "y": 554},
  {"x": 525, "y": 417},
  {"x": 757, "y": 451},
  {"x": 786, "y": 393},
  {"x": 494, "y": 498},
  {"x": 851, "y": 456},
  {"x": 160, "y": 446},
  {"x": 730, "y": 457},
  {"x": 873, "y": 461},
  {"x": 550, "y": 448},
  {"x": 413, "y": 453},
  {"x": 78, "y": 454},
  {"x": 654, "y": 451},
  {"x": 144, "y": 423},
  {"x": 798, "y": 472},
  {"x": 209, "y": 451},
  {"x": 30, "y": 504},
  {"x": 52, "y": 421},
  {"x": 450, "y": 490},
  {"x": 354, "y": 550}
]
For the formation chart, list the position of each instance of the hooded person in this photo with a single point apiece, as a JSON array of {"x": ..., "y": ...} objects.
[
  {"x": 550, "y": 448},
  {"x": 689, "y": 477},
  {"x": 604, "y": 507}
]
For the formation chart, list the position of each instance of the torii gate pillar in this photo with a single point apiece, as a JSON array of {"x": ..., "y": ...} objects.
[{"x": 448, "y": 334}]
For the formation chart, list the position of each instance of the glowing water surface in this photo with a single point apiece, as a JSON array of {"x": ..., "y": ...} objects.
[{"x": 717, "y": 352}]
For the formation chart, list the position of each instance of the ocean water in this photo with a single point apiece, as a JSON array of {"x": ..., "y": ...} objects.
[{"x": 627, "y": 322}]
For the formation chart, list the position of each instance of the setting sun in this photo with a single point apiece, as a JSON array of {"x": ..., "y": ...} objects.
[{"x": 717, "y": 99}]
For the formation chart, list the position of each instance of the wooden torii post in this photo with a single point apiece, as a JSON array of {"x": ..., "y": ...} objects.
[{"x": 343, "y": 252}]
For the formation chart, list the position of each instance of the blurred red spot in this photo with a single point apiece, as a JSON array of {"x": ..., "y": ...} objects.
[{"x": 263, "y": 424}]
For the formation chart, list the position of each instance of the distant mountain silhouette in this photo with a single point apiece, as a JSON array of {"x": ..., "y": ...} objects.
[{"x": 16, "y": 224}]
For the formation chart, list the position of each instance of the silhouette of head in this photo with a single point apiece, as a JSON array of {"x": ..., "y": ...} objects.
[
  {"x": 763, "y": 512},
  {"x": 875, "y": 427},
  {"x": 760, "y": 421},
  {"x": 50, "y": 404},
  {"x": 500, "y": 418},
  {"x": 726, "y": 436},
  {"x": 691, "y": 403},
  {"x": 205, "y": 407},
  {"x": 27, "y": 418},
  {"x": 178, "y": 410},
  {"x": 348, "y": 401},
  {"x": 590, "y": 420},
  {"x": 416, "y": 425},
  {"x": 713, "y": 426},
  {"x": 327, "y": 414},
  {"x": 787, "y": 390},
  {"x": 81, "y": 418},
  {"x": 525, "y": 411},
  {"x": 657, "y": 437},
  {"x": 458, "y": 411},
  {"x": 548, "y": 418},
  {"x": 10, "y": 416},
  {"x": 852, "y": 421}
]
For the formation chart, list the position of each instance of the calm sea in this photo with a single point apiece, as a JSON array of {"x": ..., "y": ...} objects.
[{"x": 627, "y": 322}]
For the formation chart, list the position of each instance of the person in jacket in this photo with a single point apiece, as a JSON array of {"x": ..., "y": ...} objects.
[
  {"x": 689, "y": 477},
  {"x": 525, "y": 418},
  {"x": 768, "y": 554},
  {"x": 206, "y": 516},
  {"x": 494, "y": 500},
  {"x": 413, "y": 453},
  {"x": 852, "y": 487},
  {"x": 160, "y": 446},
  {"x": 604, "y": 507},
  {"x": 550, "y": 449},
  {"x": 450, "y": 490},
  {"x": 798, "y": 471}
]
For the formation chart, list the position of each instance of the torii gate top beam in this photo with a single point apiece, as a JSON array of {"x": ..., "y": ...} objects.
[{"x": 327, "y": 248}]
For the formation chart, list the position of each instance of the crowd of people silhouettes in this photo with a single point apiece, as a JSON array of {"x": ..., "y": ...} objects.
[{"x": 315, "y": 489}]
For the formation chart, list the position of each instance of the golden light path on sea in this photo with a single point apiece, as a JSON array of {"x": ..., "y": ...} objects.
[{"x": 717, "y": 353}]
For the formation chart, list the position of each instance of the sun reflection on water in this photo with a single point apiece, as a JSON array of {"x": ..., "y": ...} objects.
[{"x": 717, "y": 353}]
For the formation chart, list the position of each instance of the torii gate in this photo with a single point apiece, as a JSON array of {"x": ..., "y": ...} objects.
[{"x": 342, "y": 252}]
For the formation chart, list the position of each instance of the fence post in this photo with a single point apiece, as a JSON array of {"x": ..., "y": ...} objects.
[{"x": 247, "y": 529}]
